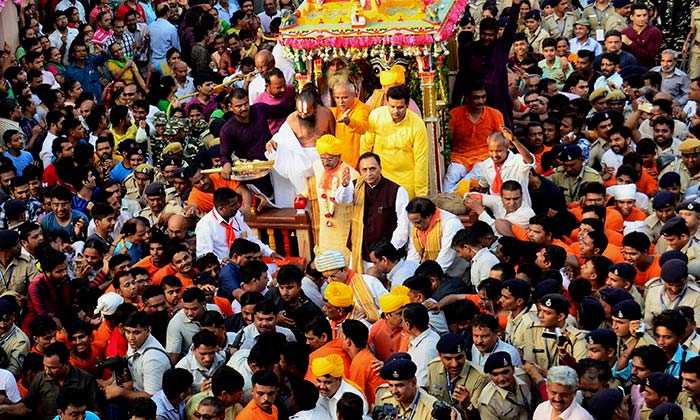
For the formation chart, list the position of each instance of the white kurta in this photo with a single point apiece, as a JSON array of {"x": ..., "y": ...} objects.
[
  {"x": 450, "y": 225},
  {"x": 292, "y": 166}
]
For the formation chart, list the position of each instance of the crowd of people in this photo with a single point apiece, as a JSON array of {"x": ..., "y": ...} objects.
[{"x": 555, "y": 277}]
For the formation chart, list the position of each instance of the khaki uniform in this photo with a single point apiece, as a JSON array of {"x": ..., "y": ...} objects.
[
  {"x": 596, "y": 151},
  {"x": 653, "y": 225},
  {"x": 132, "y": 190},
  {"x": 560, "y": 27},
  {"x": 685, "y": 401},
  {"x": 570, "y": 185},
  {"x": 545, "y": 352},
  {"x": 687, "y": 180},
  {"x": 16, "y": 344},
  {"x": 469, "y": 377},
  {"x": 615, "y": 21},
  {"x": 153, "y": 219},
  {"x": 596, "y": 17},
  {"x": 419, "y": 410},
  {"x": 656, "y": 301},
  {"x": 534, "y": 39},
  {"x": 637, "y": 297},
  {"x": 517, "y": 327},
  {"x": 645, "y": 340},
  {"x": 17, "y": 274},
  {"x": 499, "y": 403},
  {"x": 694, "y": 64},
  {"x": 693, "y": 343}
]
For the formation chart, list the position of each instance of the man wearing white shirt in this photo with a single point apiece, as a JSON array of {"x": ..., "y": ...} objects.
[
  {"x": 306, "y": 398},
  {"x": 423, "y": 340},
  {"x": 264, "y": 355},
  {"x": 509, "y": 205},
  {"x": 202, "y": 359},
  {"x": 469, "y": 244},
  {"x": 65, "y": 4},
  {"x": 486, "y": 341},
  {"x": 63, "y": 36},
  {"x": 610, "y": 78},
  {"x": 503, "y": 165},
  {"x": 54, "y": 124},
  {"x": 387, "y": 260},
  {"x": 217, "y": 229},
  {"x": 264, "y": 320},
  {"x": 428, "y": 239},
  {"x": 269, "y": 12},
  {"x": 264, "y": 61},
  {"x": 329, "y": 372},
  {"x": 561, "y": 387}
]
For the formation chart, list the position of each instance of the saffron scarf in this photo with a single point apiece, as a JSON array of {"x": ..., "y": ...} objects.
[
  {"x": 357, "y": 227},
  {"x": 362, "y": 296},
  {"x": 428, "y": 242}
]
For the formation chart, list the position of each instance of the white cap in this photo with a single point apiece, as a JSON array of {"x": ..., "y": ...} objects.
[
  {"x": 623, "y": 192},
  {"x": 635, "y": 226},
  {"x": 107, "y": 304}
]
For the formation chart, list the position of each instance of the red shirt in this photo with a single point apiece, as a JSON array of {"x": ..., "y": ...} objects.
[
  {"x": 124, "y": 8},
  {"x": 645, "y": 45}
]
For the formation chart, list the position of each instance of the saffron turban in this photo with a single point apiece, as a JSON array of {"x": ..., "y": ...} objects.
[
  {"x": 392, "y": 302},
  {"x": 338, "y": 294},
  {"x": 328, "y": 144},
  {"x": 328, "y": 365},
  {"x": 329, "y": 260},
  {"x": 396, "y": 75},
  {"x": 400, "y": 289}
]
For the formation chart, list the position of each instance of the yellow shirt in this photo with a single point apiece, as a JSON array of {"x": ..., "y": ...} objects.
[
  {"x": 129, "y": 134},
  {"x": 402, "y": 147},
  {"x": 351, "y": 133}
]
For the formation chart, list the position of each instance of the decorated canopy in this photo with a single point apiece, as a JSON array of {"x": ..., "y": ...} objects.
[{"x": 362, "y": 28}]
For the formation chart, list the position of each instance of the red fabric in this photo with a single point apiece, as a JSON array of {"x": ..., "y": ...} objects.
[
  {"x": 230, "y": 233},
  {"x": 497, "y": 181}
]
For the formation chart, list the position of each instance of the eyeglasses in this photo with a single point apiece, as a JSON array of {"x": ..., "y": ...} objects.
[
  {"x": 199, "y": 415},
  {"x": 334, "y": 275}
]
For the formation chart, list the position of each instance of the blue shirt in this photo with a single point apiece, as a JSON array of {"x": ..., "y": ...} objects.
[
  {"x": 89, "y": 415},
  {"x": 119, "y": 172},
  {"x": 88, "y": 75},
  {"x": 163, "y": 37},
  {"x": 679, "y": 357},
  {"x": 149, "y": 12},
  {"x": 50, "y": 224},
  {"x": 591, "y": 45},
  {"x": 229, "y": 279},
  {"x": 226, "y": 14},
  {"x": 22, "y": 161}
]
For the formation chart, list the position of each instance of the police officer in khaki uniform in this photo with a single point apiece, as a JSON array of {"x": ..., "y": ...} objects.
[
  {"x": 677, "y": 236},
  {"x": 534, "y": 32},
  {"x": 631, "y": 333},
  {"x": 505, "y": 396},
  {"x": 692, "y": 44},
  {"x": 561, "y": 22},
  {"x": 597, "y": 13},
  {"x": 515, "y": 297},
  {"x": 621, "y": 276},
  {"x": 664, "y": 206},
  {"x": 13, "y": 341},
  {"x": 402, "y": 391},
  {"x": 617, "y": 19},
  {"x": 689, "y": 398},
  {"x": 670, "y": 291},
  {"x": 691, "y": 341},
  {"x": 551, "y": 339},
  {"x": 451, "y": 377},
  {"x": 687, "y": 165},
  {"x": 157, "y": 204},
  {"x": 573, "y": 174}
]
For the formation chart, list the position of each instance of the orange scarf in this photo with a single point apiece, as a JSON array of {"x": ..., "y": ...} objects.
[
  {"x": 429, "y": 241},
  {"x": 362, "y": 296}
]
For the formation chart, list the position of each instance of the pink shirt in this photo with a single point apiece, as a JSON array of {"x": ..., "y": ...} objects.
[{"x": 101, "y": 36}]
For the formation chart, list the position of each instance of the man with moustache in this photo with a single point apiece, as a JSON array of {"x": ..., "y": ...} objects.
[
  {"x": 505, "y": 396},
  {"x": 561, "y": 388},
  {"x": 293, "y": 147}
]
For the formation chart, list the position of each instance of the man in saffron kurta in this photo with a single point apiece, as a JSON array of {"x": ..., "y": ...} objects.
[
  {"x": 398, "y": 135},
  {"x": 352, "y": 119},
  {"x": 470, "y": 124},
  {"x": 262, "y": 407},
  {"x": 334, "y": 346},
  {"x": 354, "y": 338},
  {"x": 331, "y": 190}
]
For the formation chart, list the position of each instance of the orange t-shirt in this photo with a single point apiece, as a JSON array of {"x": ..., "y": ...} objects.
[
  {"x": 147, "y": 263},
  {"x": 362, "y": 374},
  {"x": 538, "y": 159},
  {"x": 100, "y": 338},
  {"x": 635, "y": 215},
  {"x": 384, "y": 340},
  {"x": 169, "y": 270},
  {"x": 469, "y": 138},
  {"x": 613, "y": 218},
  {"x": 88, "y": 365},
  {"x": 332, "y": 347},
  {"x": 653, "y": 271},
  {"x": 204, "y": 201},
  {"x": 225, "y": 306},
  {"x": 253, "y": 412},
  {"x": 647, "y": 184}
]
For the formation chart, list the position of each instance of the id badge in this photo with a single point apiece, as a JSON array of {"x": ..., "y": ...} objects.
[{"x": 599, "y": 35}]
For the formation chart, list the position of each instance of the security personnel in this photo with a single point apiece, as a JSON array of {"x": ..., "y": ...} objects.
[
  {"x": 692, "y": 44},
  {"x": 670, "y": 291},
  {"x": 617, "y": 19},
  {"x": 13, "y": 341},
  {"x": 505, "y": 396},
  {"x": 410, "y": 401},
  {"x": 664, "y": 206},
  {"x": 687, "y": 166},
  {"x": 676, "y": 235},
  {"x": 690, "y": 211},
  {"x": 157, "y": 204},
  {"x": 543, "y": 338},
  {"x": 597, "y": 13},
  {"x": 451, "y": 377},
  {"x": 573, "y": 173},
  {"x": 560, "y": 25},
  {"x": 515, "y": 297},
  {"x": 621, "y": 276}
]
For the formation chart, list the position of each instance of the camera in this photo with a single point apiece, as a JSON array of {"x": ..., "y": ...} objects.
[
  {"x": 441, "y": 411},
  {"x": 384, "y": 412},
  {"x": 555, "y": 335},
  {"x": 119, "y": 368},
  {"x": 639, "y": 332}
]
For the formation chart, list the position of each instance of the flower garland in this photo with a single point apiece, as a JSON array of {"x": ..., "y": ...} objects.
[{"x": 327, "y": 202}]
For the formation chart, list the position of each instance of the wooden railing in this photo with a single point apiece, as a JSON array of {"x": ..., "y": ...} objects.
[{"x": 287, "y": 231}]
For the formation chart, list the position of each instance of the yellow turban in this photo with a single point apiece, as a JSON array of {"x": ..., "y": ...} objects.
[
  {"x": 329, "y": 365},
  {"x": 338, "y": 294},
  {"x": 396, "y": 75},
  {"x": 328, "y": 144},
  {"x": 400, "y": 289},
  {"x": 392, "y": 302}
]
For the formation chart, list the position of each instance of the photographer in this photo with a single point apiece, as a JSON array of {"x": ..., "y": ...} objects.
[
  {"x": 405, "y": 398},
  {"x": 146, "y": 360}
]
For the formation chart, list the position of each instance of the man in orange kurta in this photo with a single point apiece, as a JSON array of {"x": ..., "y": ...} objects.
[
  {"x": 334, "y": 346},
  {"x": 470, "y": 125},
  {"x": 262, "y": 407},
  {"x": 354, "y": 336},
  {"x": 203, "y": 187},
  {"x": 386, "y": 336},
  {"x": 352, "y": 120}
]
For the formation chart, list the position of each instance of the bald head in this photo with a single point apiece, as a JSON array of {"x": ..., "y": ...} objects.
[
  {"x": 177, "y": 227},
  {"x": 264, "y": 61}
]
